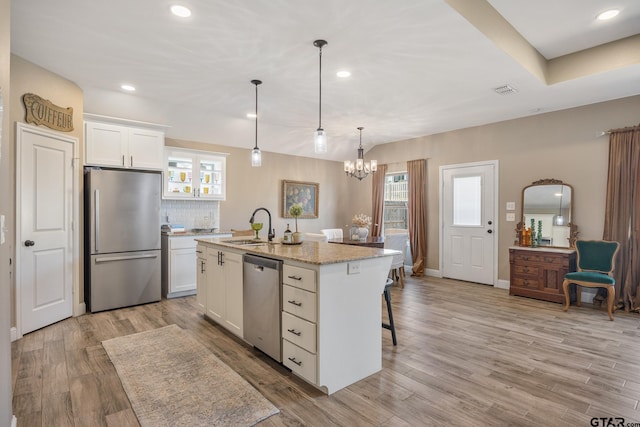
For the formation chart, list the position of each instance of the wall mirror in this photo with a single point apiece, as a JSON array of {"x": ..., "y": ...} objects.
[{"x": 549, "y": 204}]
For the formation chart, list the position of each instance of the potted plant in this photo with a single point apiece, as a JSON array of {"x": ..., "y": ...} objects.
[{"x": 295, "y": 211}]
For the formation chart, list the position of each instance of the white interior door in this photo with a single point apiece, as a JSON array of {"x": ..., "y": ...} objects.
[
  {"x": 44, "y": 190},
  {"x": 468, "y": 239}
]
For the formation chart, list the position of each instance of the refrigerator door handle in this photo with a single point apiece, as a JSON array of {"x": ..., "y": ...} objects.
[
  {"x": 124, "y": 258},
  {"x": 96, "y": 217}
]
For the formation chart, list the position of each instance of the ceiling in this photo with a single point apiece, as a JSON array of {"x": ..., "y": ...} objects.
[{"x": 419, "y": 67}]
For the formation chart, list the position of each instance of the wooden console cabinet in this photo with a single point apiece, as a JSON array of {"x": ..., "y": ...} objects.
[{"x": 539, "y": 272}]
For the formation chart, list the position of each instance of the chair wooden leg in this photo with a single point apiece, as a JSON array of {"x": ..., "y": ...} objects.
[
  {"x": 401, "y": 270},
  {"x": 610, "y": 297},
  {"x": 567, "y": 299}
]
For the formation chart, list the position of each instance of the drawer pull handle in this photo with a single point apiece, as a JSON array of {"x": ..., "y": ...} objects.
[
  {"x": 296, "y": 303},
  {"x": 295, "y": 277},
  {"x": 525, "y": 270},
  {"x": 526, "y": 258},
  {"x": 293, "y": 359},
  {"x": 294, "y": 332}
]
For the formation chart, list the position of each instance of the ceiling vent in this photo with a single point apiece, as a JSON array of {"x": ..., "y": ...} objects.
[{"x": 505, "y": 90}]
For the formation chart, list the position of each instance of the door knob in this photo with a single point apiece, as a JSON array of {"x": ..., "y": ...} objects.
[
  {"x": 489, "y": 231},
  {"x": 28, "y": 243}
]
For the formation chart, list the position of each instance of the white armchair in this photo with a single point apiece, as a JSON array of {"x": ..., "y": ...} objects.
[
  {"x": 332, "y": 233},
  {"x": 315, "y": 237},
  {"x": 398, "y": 242}
]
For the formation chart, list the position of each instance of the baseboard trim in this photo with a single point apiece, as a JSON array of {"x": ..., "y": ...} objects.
[
  {"x": 14, "y": 334},
  {"x": 503, "y": 284},
  {"x": 433, "y": 273},
  {"x": 14, "y": 421},
  {"x": 80, "y": 309}
]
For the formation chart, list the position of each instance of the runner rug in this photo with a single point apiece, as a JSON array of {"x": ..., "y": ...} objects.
[{"x": 173, "y": 380}]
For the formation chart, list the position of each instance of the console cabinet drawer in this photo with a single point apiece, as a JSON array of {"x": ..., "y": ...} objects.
[{"x": 539, "y": 273}]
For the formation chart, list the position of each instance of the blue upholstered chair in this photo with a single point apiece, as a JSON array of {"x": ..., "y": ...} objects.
[{"x": 596, "y": 261}]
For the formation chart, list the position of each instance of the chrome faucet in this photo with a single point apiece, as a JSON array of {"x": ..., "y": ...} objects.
[{"x": 270, "y": 233}]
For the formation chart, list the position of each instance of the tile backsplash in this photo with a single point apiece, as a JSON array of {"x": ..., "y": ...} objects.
[{"x": 191, "y": 213}]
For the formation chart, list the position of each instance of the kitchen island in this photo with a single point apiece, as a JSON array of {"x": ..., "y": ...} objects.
[{"x": 330, "y": 306}]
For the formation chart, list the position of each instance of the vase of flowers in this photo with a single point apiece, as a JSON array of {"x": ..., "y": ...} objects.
[
  {"x": 295, "y": 211},
  {"x": 361, "y": 224}
]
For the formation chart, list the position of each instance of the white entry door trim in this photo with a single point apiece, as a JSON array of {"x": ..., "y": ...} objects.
[
  {"x": 23, "y": 132},
  {"x": 494, "y": 226}
]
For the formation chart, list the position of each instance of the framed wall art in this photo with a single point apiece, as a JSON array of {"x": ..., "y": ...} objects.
[{"x": 303, "y": 193}]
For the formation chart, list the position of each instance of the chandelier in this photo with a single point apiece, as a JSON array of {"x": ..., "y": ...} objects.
[{"x": 360, "y": 169}]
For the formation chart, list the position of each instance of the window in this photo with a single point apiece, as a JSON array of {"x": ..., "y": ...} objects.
[{"x": 396, "y": 201}]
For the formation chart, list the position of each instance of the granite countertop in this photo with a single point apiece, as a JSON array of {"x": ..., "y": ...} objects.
[
  {"x": 195, "y": 232},
  {"x": 317, "y": 253}
]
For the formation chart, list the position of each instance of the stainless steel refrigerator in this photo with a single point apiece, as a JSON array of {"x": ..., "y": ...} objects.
[{"x": 122, "y": 238}]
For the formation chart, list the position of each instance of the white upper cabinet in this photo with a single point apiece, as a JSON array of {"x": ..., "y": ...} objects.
[
  {"x": 121, "y": 146},
  {"x": 195, "y": 175}
]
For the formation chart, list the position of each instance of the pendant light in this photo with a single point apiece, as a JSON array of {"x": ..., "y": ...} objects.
[
  {"x": 256, "y": 155},
  {"x": 360, "y": 169},
  {"x": 320, "y": 137}
]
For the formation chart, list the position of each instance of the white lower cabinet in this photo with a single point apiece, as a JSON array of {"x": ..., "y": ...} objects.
[
  {"x": 299, "y": 321},
  {"x": 224, "y": 289},
  {"x": 201, "y": 277},
  {"x": 179, "y": 278}
]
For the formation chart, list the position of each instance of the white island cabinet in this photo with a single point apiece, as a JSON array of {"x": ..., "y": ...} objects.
[
  {"x": 224, "y": 288},
  {"x": 331, "y": 305}
]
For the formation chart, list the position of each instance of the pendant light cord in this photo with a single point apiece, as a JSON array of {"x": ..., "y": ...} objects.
[
  {"x": 256, "y": 83},
  {"x": 320, "y": 92},
  {"x": 256, "y": 117}
]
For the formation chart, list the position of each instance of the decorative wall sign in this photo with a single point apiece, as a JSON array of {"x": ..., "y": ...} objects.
[
  {"x": 303, "y": 193},
  {"x": 43, "y": 112}
]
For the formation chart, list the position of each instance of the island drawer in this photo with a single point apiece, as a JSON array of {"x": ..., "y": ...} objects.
[
  {"x": 299, "y": 332},
  {"x": 299, "y": 277},
  {"x": 182, "y": 242},
  {"x": 299, "y": 302},
  {"x": 300, "y": 361}
]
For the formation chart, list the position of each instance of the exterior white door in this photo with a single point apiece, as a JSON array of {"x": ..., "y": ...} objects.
[
  {"x": 468, "y": 239},
  {"x": 44, "y": 191}
]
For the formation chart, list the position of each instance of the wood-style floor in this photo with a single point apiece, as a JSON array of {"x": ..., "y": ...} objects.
[{"x": 468, "y": 355}]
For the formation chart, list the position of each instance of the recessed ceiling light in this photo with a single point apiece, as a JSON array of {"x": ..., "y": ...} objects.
[
  {"x": 608, "y": 14},
  {"x": 180, "y": 11},
  {"x": 251, "y": 115},
  {"x": 128, "y": 88},
  {"x": 343, "y": 74}
]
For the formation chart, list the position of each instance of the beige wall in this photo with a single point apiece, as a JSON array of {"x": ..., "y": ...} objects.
[
  {"x": 249, "y": 188},
  {"x": 564, "y": 145},
  {"x": 27, "y": 77},
  {"x": 5, "y": 209}
]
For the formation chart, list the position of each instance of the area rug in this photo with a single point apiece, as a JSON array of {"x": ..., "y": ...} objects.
[{"x": 173, "y": 380}]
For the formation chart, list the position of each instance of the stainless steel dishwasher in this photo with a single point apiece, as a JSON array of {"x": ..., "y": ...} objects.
[{"x": 262, "y": 304}]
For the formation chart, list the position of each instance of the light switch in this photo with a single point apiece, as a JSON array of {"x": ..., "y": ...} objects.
[
  {"x": 511, "y": 206},
  {"x": 511, "y": 216}
]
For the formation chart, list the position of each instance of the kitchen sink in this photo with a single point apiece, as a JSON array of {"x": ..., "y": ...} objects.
[{"x": 246, "y": 242}]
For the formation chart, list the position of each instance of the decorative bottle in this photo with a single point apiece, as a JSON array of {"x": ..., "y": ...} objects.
[{"x": 287, "y": 235}]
